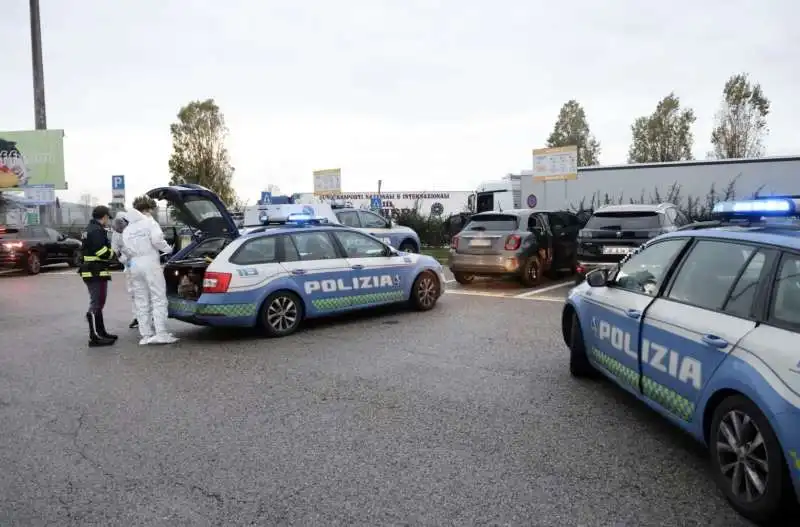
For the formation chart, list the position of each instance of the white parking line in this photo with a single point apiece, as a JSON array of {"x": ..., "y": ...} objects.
[
  {"x": 475, "y": 293},
  {"x": 535, "y": 292}
]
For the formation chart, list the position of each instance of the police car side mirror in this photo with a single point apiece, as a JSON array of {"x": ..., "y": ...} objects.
[{"x": 597, "y": 278}]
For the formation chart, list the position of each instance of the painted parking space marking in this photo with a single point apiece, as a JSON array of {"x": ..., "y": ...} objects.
[{"x": 541, "y": 290}]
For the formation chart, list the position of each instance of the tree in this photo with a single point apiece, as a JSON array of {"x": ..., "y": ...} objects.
[
  {"x": 665, "y": 135},
  {"x": 741, "y": 122},
  {"x": 571, "y": 129},
  {"x": 199, "y": 155}
]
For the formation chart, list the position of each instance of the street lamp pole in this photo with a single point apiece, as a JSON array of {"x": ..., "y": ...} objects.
[{"x": 39, "y": 108}]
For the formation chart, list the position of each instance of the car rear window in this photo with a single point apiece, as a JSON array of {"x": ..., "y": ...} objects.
[
  {"x": 493, "y": 222},
  {"x": 624, "y": 221}
]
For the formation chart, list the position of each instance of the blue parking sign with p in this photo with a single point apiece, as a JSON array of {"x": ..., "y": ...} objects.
[{"x": 117, "y": 182}]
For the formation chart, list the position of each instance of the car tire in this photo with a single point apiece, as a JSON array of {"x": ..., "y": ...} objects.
[
  {"x": 75, "y": 261},
  {"x": 281, "y": 314},
  {"x": 531, "y": 272},
  {"x": 464, "y": 278},
  {"x": 579, "y": 365},
  {"x": 765, "y": 460},
  {"x": 425, "y": 291},
  {"x": 33, "y": 263},
  {"x": 408, "y": 247}
]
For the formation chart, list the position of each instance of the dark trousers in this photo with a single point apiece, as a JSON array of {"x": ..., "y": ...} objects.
[{"x": 98, "y": 290}]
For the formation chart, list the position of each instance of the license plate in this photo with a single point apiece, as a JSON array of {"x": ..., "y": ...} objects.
[
  {"x": 617, "y": 250},
  {"x": 480, "y": 243}
]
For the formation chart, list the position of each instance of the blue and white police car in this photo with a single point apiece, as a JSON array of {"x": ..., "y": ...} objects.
[
  {"x": 703, "y": 325},
  {"x": 277, "y": 275}
]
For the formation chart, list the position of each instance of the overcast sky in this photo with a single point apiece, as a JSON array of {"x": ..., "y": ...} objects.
[{"x": 424, "y": 94}]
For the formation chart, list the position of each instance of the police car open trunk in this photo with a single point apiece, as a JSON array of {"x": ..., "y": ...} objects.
[{"x": 213, "y": 228}]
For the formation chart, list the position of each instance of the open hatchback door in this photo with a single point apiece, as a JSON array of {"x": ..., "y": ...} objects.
[
  {"x": 214, "y": 228},
  {"x": 199, "y": 209}
]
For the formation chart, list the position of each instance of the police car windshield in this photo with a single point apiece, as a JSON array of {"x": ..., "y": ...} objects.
[
  {"x": 493, "y": 222},
  {"x": 624, "y": 221}
]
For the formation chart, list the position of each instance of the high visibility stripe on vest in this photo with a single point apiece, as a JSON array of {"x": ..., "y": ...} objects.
[{"x": 102, "y": 251}]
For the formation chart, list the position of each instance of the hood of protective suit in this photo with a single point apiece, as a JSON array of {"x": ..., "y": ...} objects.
[
  {"x": 120, "y": 222},
  {"x": 134, "y": 215}
]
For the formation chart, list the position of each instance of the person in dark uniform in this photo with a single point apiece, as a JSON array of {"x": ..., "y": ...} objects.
[{"x": 94, "y": 269}]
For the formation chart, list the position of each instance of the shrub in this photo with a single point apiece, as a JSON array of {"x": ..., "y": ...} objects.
[
  {"x": 695, "y": 208},
  {"x": 432, "y": 230}
]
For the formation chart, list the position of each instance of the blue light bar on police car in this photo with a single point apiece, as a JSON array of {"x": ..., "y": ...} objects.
[
  {"x": 757, "y": 207},
  {"x": 299, "y": 218}
]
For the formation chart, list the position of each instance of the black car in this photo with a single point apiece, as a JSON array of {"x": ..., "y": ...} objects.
[
  {"x": 614, "y": 231},
  {"x": 29, "y": 248},
  {"x": 523, "y": 243}
]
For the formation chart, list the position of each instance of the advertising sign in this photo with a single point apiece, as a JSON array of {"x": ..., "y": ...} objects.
[
  {"x": 327, "y": 181},
  {"x": 555, "y": 164},
  {"x": 33, "y": 157}
]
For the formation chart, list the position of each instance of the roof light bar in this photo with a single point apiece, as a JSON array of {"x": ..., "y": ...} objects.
[
  {"x": 300, "y": 219},
  {"x": 757, "y": 207}
]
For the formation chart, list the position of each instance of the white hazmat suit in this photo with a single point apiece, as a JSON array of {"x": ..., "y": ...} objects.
[
  {"x": 119, "y": 224},
  {"x": 143, "y": 241}
]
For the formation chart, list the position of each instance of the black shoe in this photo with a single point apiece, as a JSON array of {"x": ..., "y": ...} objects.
[
  {"x": 101, "y": 327},
  {"x": 95, "y": 339},
  {"x": 134, "y": 324}
]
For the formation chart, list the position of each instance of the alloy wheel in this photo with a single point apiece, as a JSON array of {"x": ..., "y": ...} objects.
[
  {"x": 282, "y": 314},
  {"x": 742, "y": 455},
  {"x": 426, "y": 291}
]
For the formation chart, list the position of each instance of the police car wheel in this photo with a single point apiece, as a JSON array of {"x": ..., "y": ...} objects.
[
  {"x": 425, "y": 291},
  {"x": 579, "y": 365},
  {"x": 281, "y": 314},
  {"x": 33, "y": 264},
  {"x": 408, "y": 247},
  {"x": 747, "y": 461},
  {"x": 532, "y": 272}
]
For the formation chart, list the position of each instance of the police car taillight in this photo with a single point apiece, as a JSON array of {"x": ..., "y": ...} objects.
[
  {"x": 216, "y": 282},
  {"x": 513, "y": 242}
]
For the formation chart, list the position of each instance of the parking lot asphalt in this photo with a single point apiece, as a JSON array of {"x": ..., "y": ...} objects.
[{"x": 465, "y": 415}]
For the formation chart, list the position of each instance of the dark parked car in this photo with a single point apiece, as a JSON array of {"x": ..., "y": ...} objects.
[
  {"x": 525, "y": 243},
  {"x": 614, "y": 231},
  {"x": 29, "y": 248}
]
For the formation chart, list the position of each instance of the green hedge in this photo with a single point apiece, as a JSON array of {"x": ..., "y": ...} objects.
[{"x": 695, "y": 208}]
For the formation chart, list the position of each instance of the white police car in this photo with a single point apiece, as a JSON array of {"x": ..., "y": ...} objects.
[
  {"x": 276, "y": 276},
  {"x": 703, "y": 325},
  {"x": 399, "y": 236}
]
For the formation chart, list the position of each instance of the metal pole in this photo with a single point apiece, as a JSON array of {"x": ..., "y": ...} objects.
[{"x": 39, "y": 109}]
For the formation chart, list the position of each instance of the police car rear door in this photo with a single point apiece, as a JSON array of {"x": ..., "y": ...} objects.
[
  {"x": 704, "y": 312},
  {"x": 377, "y": 226},
  {"x": 319, "y": 270},
  {"x": 382, "y": 276},
  {"x": 615, "y": 311}
]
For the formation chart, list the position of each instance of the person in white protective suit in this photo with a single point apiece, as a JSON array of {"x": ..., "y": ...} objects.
[
  {"x": 143, "y": 241},
  {"x": 118, "y": 225}
]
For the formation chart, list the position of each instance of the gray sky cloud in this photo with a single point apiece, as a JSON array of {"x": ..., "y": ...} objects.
[{"x": 422, "y": 94}]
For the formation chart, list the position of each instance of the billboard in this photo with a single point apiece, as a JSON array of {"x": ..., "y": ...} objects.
[
  {"x": 327, "y": 181},
  {"x": 33, "y": 157},
  {"x": 555, "y": 164}
]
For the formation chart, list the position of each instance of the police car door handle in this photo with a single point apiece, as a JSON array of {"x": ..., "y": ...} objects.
[
  {"x": 633, "y": 313},
  {"x": 357, "y": 266},
  {"x": 298, "y": 271},
  {"x": 715, "y": 341}
]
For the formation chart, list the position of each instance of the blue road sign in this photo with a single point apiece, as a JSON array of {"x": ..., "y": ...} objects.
[
  {"x": 266, "y": 198},
  {"x": 375, "y": 203},
  {"x": 532, "y": 201},
  {"x": 117, "y": 182}
]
